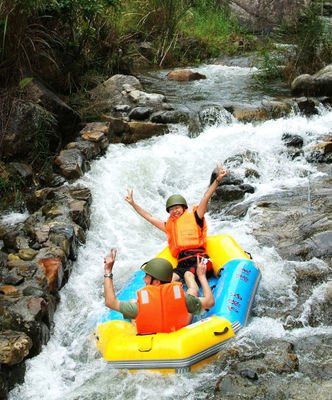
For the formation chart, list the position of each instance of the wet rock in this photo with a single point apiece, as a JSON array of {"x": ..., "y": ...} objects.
[
  {"x": 139, "y": 130},
  {"x": 170, "y": 117},
  {"x": 118, "y": 127},
  {"x": 54, "y": 272},
  {"x": 33, "y": 291},
  {"x": 71, "y": 163},
  {"x": 292, "y": 140},
  {"x": 247, "y": 373},
  {"x": 9, "y": 290},
  {"x": 185, "y": 75},
  {"x": 307, "y": 106},
  {"x": 319, "y": 84},
  {"x": 277, "y": 109},
  {"x": 26, "y": 122},
  {"x": 214, "y": 114},
  {"x": 232, "y": 192},
  {"x": 14, "y": 347},
  {"x": 255, "y": 369},
  {"x": 27, "y": 254},
  {"x": 143, "y": 99},
  {"x": 111, "y": 93},
  {"x": 140, "y": 113},
  {"x": 248, "y": 114},
  {"x": 320, "y": 152},
  {"x": 251, "y": 173}
]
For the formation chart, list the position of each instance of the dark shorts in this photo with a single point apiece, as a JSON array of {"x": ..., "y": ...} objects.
[{"x": 188, "y": 264}]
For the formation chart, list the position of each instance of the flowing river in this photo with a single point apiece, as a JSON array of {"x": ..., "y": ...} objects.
[{"x": 69, "y": 367}]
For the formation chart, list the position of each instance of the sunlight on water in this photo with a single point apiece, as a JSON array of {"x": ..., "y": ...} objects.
[{"x": 69, "y": 366}]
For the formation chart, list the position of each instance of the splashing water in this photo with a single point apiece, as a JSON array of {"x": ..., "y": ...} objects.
[{"x": 69, "y": 367}]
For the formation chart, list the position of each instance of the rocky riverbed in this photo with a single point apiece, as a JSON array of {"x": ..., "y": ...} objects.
[{"x": 38, "y": 252}]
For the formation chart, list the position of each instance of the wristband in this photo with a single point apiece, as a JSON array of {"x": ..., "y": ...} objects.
[{"x": 108, "y": 275}]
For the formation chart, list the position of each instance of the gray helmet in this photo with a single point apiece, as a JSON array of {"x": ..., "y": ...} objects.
[
  {"x": 159, "y": 268},
  {"x": 176, "y": 200}
]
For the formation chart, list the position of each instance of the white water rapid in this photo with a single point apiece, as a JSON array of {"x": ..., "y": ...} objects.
[{"x": 69, "y": 367}]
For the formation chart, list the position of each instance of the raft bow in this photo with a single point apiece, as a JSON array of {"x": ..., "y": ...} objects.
[{"x": 234, "y": 286}]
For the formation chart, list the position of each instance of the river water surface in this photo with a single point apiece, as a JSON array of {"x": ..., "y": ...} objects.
[{"x": 69, "y": 368}]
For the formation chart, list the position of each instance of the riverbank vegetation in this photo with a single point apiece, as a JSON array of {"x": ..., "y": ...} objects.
[
  {"x": 72, "y": 45},
  {"x": 305, "y": 47}
]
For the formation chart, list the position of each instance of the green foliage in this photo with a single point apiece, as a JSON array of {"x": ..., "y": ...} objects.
[
  {"x": 214, "y": 26},
  {"x": 312, "y": 39},
  {"x": 271, "y": 67},
  {"x": 23, "y": 38},
  {"x": 43, "y": 127},
  {"x": 24, "y": 83},
  {"x": 155, "y": 21},
  {"x": 36, "y": 34},
  {"x": 86, "y": 9},
  {"x": 11, "y": 190}
]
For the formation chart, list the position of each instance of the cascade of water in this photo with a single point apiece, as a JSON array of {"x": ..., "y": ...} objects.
[{"x": 69, "y": 366}]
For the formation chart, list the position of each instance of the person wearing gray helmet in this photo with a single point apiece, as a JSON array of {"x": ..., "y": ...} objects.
[
  {"x": 162, "y": 305},
  {"x": 186, "y": 231}
]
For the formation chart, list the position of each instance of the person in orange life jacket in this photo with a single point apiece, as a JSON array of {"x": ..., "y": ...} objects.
[
  {"x": 162, "y": 305},
  {"x": 186, "y": 231}
]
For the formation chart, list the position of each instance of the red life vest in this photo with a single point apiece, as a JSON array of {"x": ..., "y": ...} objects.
[
  {"x": 183, "y": 233},
  {"x": 161, "y": 309}
]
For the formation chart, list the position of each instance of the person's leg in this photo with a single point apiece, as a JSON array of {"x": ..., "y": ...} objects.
[{"x": 192, "y": 286}]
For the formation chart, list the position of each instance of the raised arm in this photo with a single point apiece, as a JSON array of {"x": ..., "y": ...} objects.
[
  {"x": 143, "y": 213},
  {"x": 202, "y": 207},
  {"x": 208, "y": 299},
  {"x": 111, "y": 300}
]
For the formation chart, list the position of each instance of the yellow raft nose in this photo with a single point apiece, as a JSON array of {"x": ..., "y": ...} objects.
[{"x": 182, "y": 350}]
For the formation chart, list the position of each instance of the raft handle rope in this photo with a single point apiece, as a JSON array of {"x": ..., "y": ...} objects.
[{"x": 222, "y": 332}]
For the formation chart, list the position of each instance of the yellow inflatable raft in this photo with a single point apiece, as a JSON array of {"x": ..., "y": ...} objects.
[{"x": 234, "y": 286}]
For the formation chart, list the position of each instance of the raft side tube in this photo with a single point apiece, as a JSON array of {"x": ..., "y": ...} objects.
[
  {"x": 119, "y": 344},
  {"x": 235, "y": 291},
  {"x": 222, "y": 249}
]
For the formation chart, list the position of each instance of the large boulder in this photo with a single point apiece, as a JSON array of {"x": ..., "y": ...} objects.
[
  {"x": 262, "y": 15},
  {"x": 67, "y": 119},
  {"x": 319, "y": 84},
  {"x": 24, "y": 131}
]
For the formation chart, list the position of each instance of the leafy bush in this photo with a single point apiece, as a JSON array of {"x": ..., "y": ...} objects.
[
  {"x": 305, "y": 47},
  {"x": 35, "y": 34},
  {"x": 213, "y": 25},
  {"x": 314, "y": 42},
  {"x": 24, "y": 40}
]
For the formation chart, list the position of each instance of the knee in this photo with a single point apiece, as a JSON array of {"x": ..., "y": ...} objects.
[{"x": 189, "y": 275}]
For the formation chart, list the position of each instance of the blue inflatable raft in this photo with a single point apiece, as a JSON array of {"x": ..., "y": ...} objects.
[{"x": 234, "y": 286}]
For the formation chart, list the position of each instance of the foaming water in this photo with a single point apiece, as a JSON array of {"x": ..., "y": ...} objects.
[
  {"x": 223, "y": 84},
  {"x": 69, "y": 367},
  {"x": 13, "y": 218}
]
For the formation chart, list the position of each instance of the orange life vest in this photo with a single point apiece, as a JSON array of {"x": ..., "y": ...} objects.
[
  {"x": 161, "y": 308},
  {"x": 183, "y": 233}
]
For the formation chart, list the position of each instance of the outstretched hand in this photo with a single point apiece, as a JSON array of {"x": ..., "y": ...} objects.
[
  {"x": 220, "y": 173},
  {"x": 109, "y": 260},
  {"x": 201, "y": 267},
  {"x": 130, "y": 197}
]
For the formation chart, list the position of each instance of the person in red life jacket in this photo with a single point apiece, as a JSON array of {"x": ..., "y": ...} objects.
[
  {"x": 162, "y": 305},
  {"x": 186, "y": 230}
]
